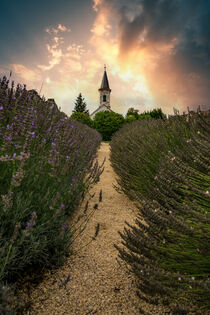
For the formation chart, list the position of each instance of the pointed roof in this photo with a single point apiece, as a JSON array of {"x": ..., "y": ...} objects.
[{"x": 105, "y": 82}]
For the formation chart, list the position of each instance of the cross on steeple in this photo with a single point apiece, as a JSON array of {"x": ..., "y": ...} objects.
[{"x": 104, "y": 67}]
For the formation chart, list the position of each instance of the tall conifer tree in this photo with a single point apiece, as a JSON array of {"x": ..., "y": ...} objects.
[{"x": 80, "y": 105}]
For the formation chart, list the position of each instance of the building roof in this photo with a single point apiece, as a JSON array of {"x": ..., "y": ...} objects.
[
  {"x": 105, "y": 82},
  {"x": 99, "y": 109}
]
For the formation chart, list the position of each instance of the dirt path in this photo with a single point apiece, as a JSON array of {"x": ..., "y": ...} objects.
[{"x": 97, "y": 285}]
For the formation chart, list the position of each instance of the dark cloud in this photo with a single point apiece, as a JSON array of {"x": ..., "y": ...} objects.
[
  {"x": 184, "y": 24},
  {"x": 161, "y": 19}
]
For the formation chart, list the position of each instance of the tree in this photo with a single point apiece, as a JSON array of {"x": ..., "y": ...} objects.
[
  {"x": 80, "y": 105},
  {"x": 107, "y": 123},
  {"x": 130, "y": 118},
  {"x": 133, "y": 112},
  {"x": 157, "y": 113},
  {"x": 145, "y": 115},
  {"x": 83, "y": 118}
]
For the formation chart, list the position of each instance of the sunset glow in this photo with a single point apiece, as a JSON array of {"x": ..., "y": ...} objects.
[{"x": 156, "y": 55}]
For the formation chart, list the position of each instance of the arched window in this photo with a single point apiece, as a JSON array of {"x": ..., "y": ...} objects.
[{"x": 104, "y": 98}]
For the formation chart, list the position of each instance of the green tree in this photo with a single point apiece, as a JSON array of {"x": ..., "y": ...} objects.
[
  {"x": 130, "y": 118},
  {"x": 145, "y": 115},
  {"x": 132, "y": 112},
  {"x": 157, "y": 113},
  {"x": 83, "y": 118},
  {"x": 80, "y": 105},
  {"x": 107, "y": 123}
]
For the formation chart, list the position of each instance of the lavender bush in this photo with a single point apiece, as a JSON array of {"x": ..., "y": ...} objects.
[
  {"x": 164, "y": 166},
  {"x": 46, "y": 167}
]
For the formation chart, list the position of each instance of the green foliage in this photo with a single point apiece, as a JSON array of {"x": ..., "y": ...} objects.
[
  {"x": 130, "y": 118},
  {"x": 80, "y": 105},
  {"x": 107, "y": 123},
  {"x": 157, "y": 114},
  {"x": 164, "y": 165},
  {"x": 83, "y": 118},
  {"x": 132, "y": 112},
  {"x": 144, "y": 116}
]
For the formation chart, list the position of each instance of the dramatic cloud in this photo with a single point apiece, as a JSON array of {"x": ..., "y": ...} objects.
[
  {"x": 53, "y": 48},
  {"x": 171, "y": 41},
  {"x": 157, "y": 54},
  {"x": 25, "y": 73}
]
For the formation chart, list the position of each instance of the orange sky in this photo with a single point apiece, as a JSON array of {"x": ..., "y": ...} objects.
[{"x": 144, "y": 69}]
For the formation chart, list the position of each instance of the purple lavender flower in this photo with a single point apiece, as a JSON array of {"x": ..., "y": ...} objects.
[
  {"x": 1, "y": 107},
  {"x": 68, "y": 157},
  {"x": 64, "y": 227},
  {"x": 14, "y": 155},
  {"x": 34, "y": 223},
  {"x": 8, "y": 138},
  {"x": 28, "y": 224},
  {"x": 33, "y": 134},
  {"x": 62, "y": 206}
]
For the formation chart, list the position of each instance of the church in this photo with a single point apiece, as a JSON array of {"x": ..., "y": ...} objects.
[{"x": 104, "y": 96}]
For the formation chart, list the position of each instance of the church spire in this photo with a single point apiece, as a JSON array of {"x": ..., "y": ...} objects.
[
  {"x": 105, "y": 91},
  {"x": 104, "y": 95},
  {"x": 105, "y": 82}
]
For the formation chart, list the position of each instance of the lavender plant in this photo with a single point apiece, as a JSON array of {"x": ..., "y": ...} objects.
[
  {"x": 46, "y": 167},
  {"x": 168, "y": 248}
]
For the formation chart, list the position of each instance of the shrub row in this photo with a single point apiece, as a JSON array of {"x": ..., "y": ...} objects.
[
  {"x": 164, "y": 166},
  {"x": 108, "y": 122},
  {"x": 46, "y": 166}
]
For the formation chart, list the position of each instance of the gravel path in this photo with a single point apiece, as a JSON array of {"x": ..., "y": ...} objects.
[{"x": 97, "y": 283}]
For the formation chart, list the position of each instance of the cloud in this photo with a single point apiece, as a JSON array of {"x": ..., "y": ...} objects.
[
  {"x": 56, "y": 30},
  {"x": 54, "y": 46},
  {"x": 25, "y": 73},
  {"x": 156, "y": 52},
  {"x": 56, "y": 56},
  {"x": 96, "y": 4},
  {"x": 106, "y": 45},
  {"x": 169, "y": 42}
]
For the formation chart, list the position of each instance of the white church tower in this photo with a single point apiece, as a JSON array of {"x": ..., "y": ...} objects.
[{"x": 104, "y": 91}]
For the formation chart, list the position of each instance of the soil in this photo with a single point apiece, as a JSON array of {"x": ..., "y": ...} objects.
[{"x": 93, "y": 279}]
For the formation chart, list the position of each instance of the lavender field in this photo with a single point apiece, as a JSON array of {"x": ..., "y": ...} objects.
[
  {"x": 46, "y": 167},
  {"x": 164, "y": 166}
]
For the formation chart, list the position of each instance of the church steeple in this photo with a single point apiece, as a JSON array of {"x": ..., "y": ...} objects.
[{"x": 105, "y": 90}]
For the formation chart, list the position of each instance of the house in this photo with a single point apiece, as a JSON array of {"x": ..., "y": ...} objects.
[{"x": 104, "y": 92}]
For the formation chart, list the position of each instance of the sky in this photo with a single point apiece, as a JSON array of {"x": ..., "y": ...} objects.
[{"x": 157, "y": 52}]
